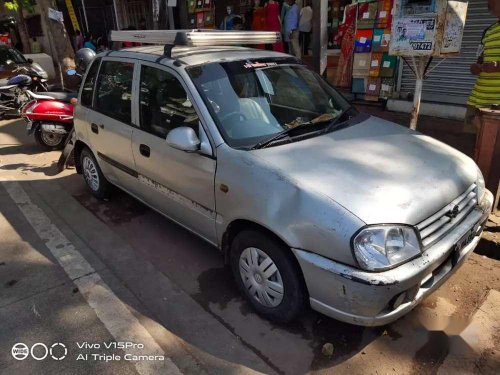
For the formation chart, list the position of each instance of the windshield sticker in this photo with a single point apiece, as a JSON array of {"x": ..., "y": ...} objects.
[{"x": 254, "y": 65}]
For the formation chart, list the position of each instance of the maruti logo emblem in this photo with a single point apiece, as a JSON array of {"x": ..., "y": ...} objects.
[{"x": 453, "y": 213}]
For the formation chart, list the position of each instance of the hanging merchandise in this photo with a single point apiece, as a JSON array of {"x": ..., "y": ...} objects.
[
  {"x": 361, "y": 64},
  {"x": 381, "y": 39},
  {"x": 345, "y": 38},
  {"x": 373, "y": 88},
  {"x": 388, "y": 67},
  {"x": 384, "y": 16},
  {"x": 367, "y": 14},
  {"x": 358, "y": 85},
  {"x": 375, "y": 64},
  {"x": 364, "y": 39}
]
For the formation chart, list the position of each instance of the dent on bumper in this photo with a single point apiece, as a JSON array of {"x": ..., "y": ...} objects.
[{"x": 359, "y": 297}]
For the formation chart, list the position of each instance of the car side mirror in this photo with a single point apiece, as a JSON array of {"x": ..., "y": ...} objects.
[
  {"x": 183, "y": 138},
  {"x": 30, "y": 61}
]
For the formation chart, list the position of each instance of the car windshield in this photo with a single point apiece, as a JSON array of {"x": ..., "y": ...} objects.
[
  {"x": 11, "y": 55},
  {"x": 253, "y": 100}
]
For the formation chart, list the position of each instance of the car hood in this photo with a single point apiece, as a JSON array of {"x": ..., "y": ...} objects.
[{"x": 379, "y": 171}]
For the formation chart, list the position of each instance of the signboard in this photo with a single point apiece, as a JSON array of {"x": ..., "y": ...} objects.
[
  {"x": 454, "y": 27},
  {"x": 55, "y": 15},
  {"x": 72, "y": 15},
  {"x": 413, "y": 36},
  {"x": 427, "y": 27}
]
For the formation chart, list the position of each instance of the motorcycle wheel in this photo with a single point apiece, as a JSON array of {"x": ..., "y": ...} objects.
[{"x": 50, "y": 141}]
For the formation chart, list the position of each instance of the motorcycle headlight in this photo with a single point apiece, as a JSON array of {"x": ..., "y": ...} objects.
[
  {"x": 481, "y": 188},
  {"x": 381, "y": 247}
]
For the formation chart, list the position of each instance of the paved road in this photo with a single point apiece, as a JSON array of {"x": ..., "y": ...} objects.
[{"x": 75, "y": 270}]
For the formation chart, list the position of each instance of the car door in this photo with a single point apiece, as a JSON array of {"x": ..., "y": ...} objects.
[
  {"x": 84, "y": 105},
  {"x": 110, "y": 121},
  {"x": 178, "y": 183}
]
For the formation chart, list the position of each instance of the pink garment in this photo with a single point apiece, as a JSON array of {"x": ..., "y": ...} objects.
[{"x": 273, "y": 23}]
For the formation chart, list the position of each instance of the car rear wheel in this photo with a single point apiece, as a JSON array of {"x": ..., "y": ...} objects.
[
  {"x": 93, "y": 176},
  {"x": 267, "y": 276}
]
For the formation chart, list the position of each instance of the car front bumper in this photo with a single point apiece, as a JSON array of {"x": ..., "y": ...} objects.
[{"x": 369, "y": 298}]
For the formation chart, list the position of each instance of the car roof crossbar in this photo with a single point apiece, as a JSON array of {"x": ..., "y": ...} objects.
[{"x": 195, "y": 38}]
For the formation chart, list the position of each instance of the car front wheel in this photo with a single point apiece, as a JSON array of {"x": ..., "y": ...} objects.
[{"x": 267, "y": 276}]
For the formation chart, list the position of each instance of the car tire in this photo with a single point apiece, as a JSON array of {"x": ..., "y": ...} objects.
[
  {"x": 49, "y": 142},
  {"x": 262, "y": 267},
  {"x": 93, "y": 175}
]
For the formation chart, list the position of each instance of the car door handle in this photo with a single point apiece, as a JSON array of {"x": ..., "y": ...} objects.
[
  {"x": 144, "y": 150},
  {"x": 95, "y": 128}
]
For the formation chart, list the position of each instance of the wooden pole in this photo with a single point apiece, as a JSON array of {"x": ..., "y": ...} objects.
[{"x": 419, "y": 65}]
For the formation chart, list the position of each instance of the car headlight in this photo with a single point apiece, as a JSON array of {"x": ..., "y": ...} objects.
[
  {"x": 481, "y": 188},
  {"x": 381, "y": 247}
]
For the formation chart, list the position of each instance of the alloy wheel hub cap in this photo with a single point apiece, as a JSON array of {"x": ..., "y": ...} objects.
[{"x": 261, "y": 277}]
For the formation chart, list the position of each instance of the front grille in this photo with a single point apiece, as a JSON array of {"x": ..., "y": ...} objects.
[{"x": 438, "y": 225}]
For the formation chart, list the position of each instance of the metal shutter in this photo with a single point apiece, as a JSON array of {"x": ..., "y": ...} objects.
[{"x": 451, "y": 81}]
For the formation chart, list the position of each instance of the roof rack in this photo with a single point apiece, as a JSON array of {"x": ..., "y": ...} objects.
[{"x": 195, "y": 38}]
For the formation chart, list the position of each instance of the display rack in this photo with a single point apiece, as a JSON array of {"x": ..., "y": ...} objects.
[
  {"x": 201, "y": 14},
  {"x": 374, "y": 69}
]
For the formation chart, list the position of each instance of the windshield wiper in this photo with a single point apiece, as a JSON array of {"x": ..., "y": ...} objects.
[
  {"x": 324, "y": 118},
  {"x": 337, "y": 119}
]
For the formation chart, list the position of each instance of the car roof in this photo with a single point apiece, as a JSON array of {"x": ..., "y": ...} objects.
[{"x": 197, "y": 55}]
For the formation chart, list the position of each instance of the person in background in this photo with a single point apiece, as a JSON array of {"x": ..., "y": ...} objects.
[
  {"x": 486, "y": 91},
  {"x": 305, "y": 26},
  {"x": 129, "y": 44},
  {"x": 90, "y": 42},
  {"x": 259, "y": 20},
  {"x": 238, "y": 24},
  {"x": 273, "y": 22},
  {"x": 35, "y": 46},
  {"x": 102, "y": 45},
  {"x": 78, "y": 40},
  {"x": 284, "y": 10},
  {"x": 228, "y": 22},
  {"x": 142, "y": 24},
  {"x": 292, "y": 29}
]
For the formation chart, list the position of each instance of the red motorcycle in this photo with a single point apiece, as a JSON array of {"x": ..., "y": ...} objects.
[{"x": 49, "y": 117}]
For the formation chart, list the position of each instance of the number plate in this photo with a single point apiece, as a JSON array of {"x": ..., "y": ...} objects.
[{"x": 465, "y": 240}]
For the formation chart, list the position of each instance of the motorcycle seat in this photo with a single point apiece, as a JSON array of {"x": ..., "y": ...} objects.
[{"x": 62, "y": 96}]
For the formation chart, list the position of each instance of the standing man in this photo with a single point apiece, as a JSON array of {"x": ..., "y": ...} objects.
[
  {"x": 292, "y": 28},
  {"x": 486, "y": 91},
  {"x": 305, "y": 26},
  {"x": 79, "y": 40}
]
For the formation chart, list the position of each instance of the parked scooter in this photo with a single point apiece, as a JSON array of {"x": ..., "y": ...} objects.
[{"x": 49, "y": 115}]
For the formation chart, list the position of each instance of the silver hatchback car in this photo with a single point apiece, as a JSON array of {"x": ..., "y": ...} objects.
[{"x": 310, "y": 202}]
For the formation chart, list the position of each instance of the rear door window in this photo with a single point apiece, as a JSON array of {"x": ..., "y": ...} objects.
[
  {"x": 88, "y": 85},
  {"x": 114, "y": 90}
]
